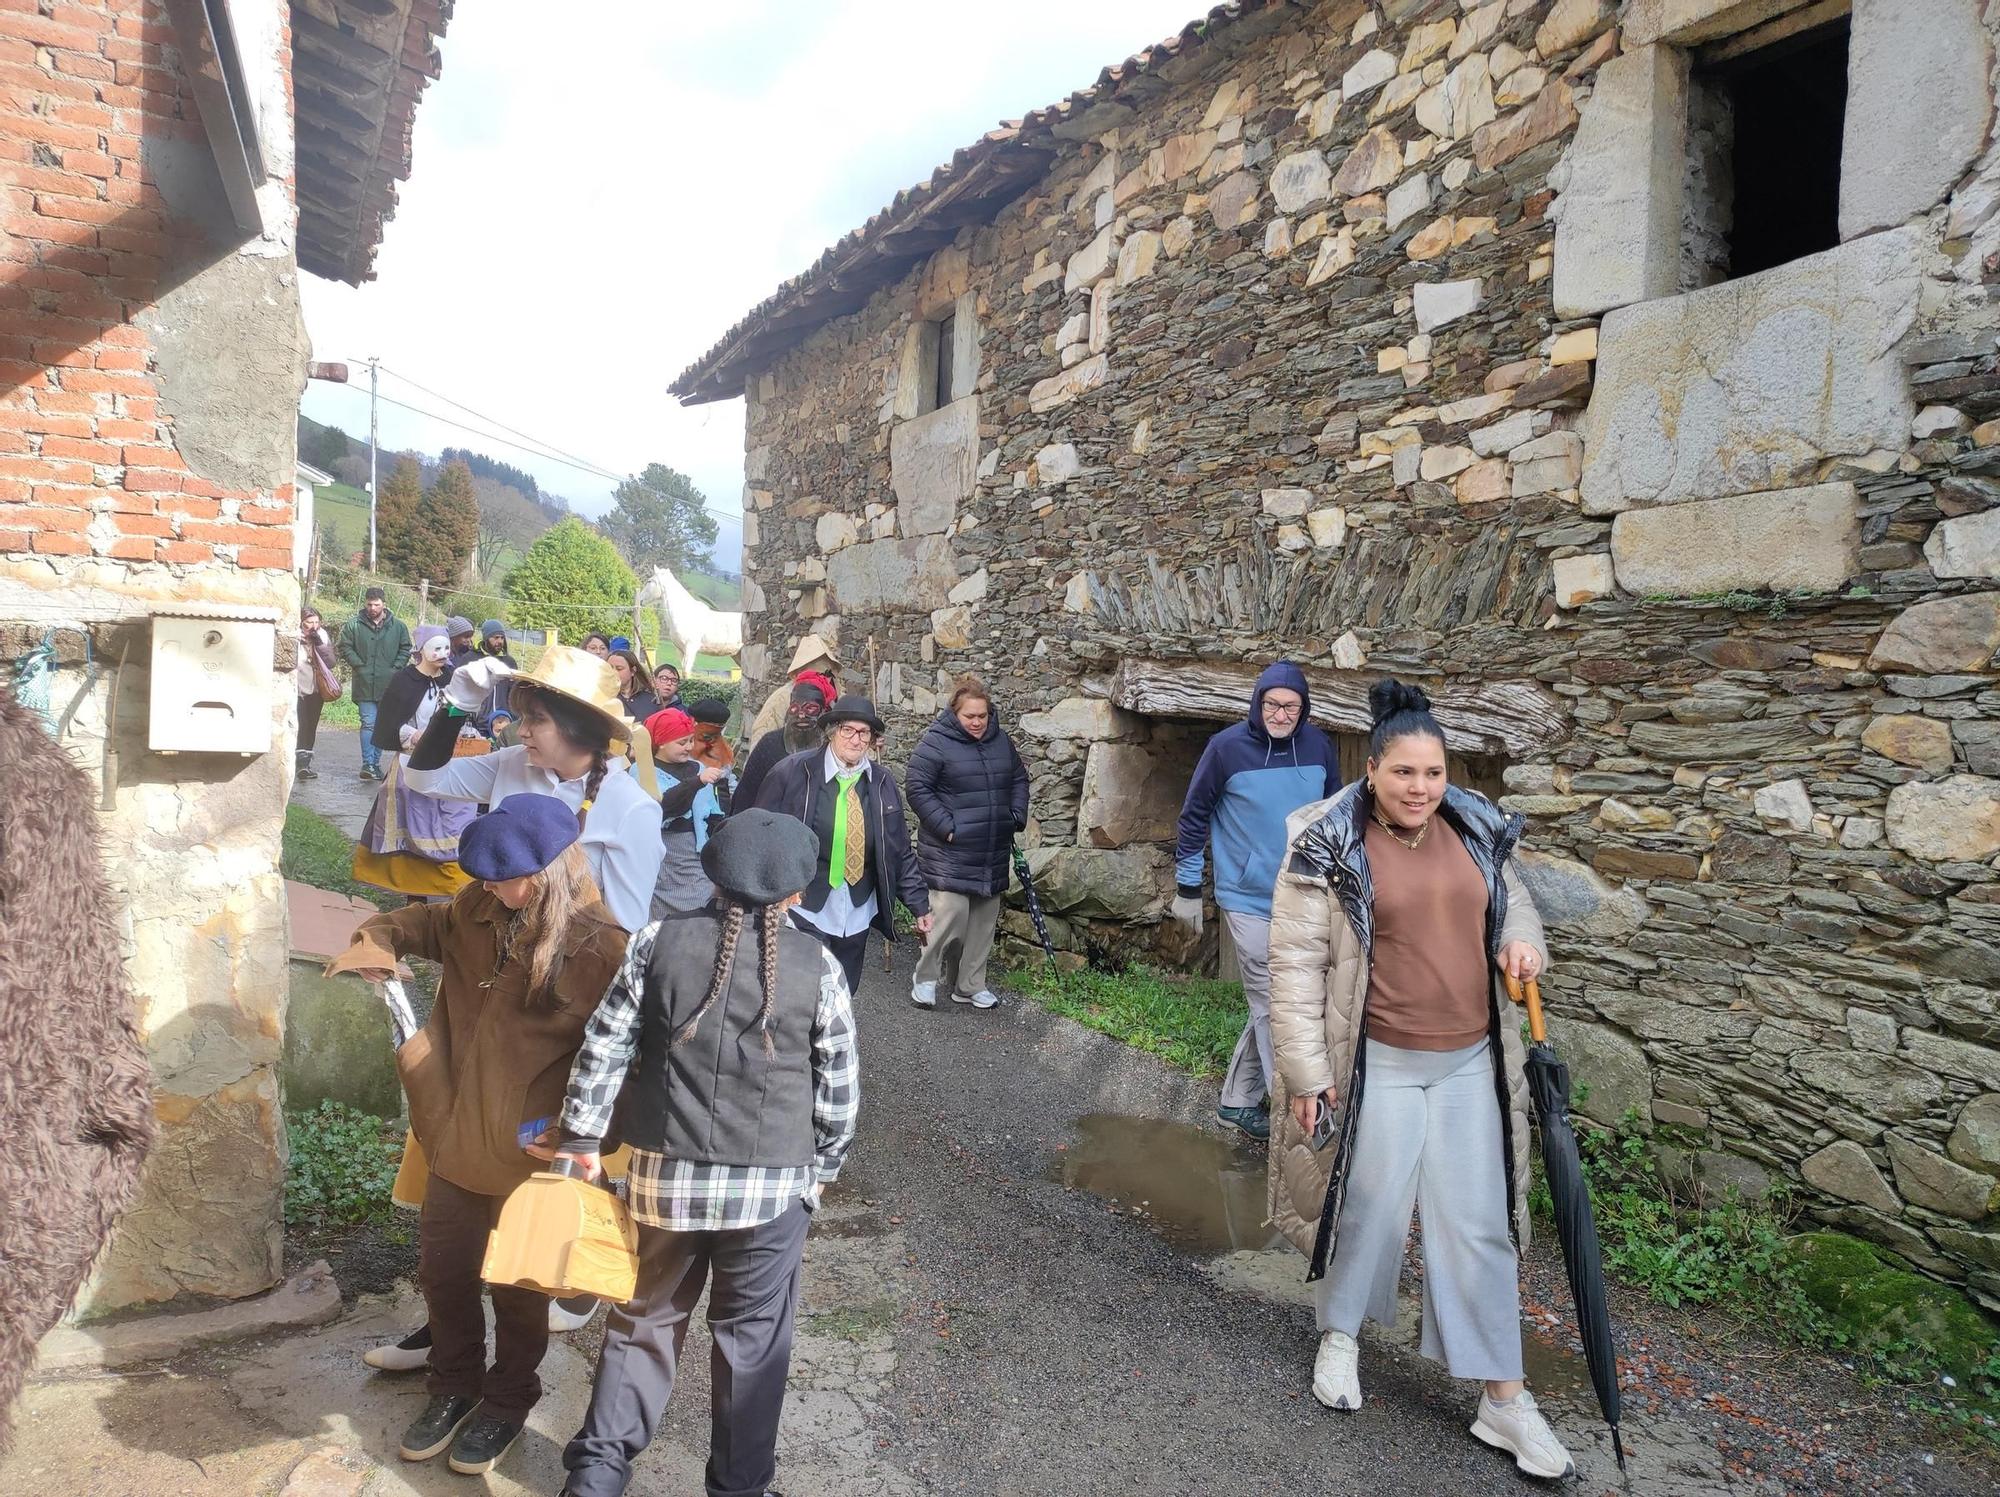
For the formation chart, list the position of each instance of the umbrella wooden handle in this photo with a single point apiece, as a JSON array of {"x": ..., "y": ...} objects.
[{"x": 1532, "y": 993}]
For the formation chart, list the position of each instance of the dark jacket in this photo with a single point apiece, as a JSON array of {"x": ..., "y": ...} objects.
[
  {"x": 971, "y": 798},
  {"x": 641, "y": 705},
  {"x": 717, "y": 1097},
  {"x": 405, "y": 693},
  {"x": 374, "y": 653},
  {"x": 765, "y": 755},
  {"x": 797, "y": 788}
]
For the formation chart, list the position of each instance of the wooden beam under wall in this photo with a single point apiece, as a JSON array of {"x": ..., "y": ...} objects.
[{"x": 1518, "y": 719}]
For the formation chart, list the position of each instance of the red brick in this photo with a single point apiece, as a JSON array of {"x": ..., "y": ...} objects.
[
  {"x": 267, "y": 514},
  {"x": 67, "y": 495},
  {"x": 152, "y": 481},
  {"x": 42, "y": 470},
  {"x": 88, "y": 210},
  {"x": 33, "y": 228},
  {"x": 194, "y": 509},
  {"x": 65, "y": 401},
  {"x": 15, "y": 540},
  {"x": 223, "y": 533},
  {"x": 37, "y": 517},
  {"x": 118, "y": 502},
  {"x": 13, "y": 491},
  {"x": 122, "y": 358},
  {"x": 63, "y": 355},
  {"x": 277, "y": 558},
  {"x": 56, "y": 543},
  {"x": 106, "y": 382},
  {"x": 132, "y": 548},
  {"x": 89, "y": 163},
  {"x": 194, "y": 483},
  {"x": 153, "y": 525},
  {"x": 139, "y": 434},
  {"x": 47, "y": 422},
  {"x": 39, "y": 179},
  {"x": 185, "y": 551},
  {"x": 89, "y": 452}
]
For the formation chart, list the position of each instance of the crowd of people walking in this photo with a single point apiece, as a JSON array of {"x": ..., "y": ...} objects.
[{"x": 650, "y": 940}]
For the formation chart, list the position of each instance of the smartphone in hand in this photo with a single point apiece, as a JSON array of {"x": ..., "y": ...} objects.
[{"x": 1322, "y": 1133}]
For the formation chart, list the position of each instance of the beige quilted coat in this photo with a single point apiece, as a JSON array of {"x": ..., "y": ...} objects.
[{"x": 1319, "y": 984}]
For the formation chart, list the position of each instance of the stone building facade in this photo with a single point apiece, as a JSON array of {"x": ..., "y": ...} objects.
[
  {"x": 165, "y": 170},
  {"x": 1626, "y": 374}
]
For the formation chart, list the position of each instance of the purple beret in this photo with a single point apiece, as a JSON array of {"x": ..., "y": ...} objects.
[{"x": 520, "y": 836}]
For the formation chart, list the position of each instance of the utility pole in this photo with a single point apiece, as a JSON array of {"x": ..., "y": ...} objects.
[{"x": 373, "y": 365}]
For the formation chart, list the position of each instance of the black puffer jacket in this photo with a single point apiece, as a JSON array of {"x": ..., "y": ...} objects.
[{"x": 971, "y": 797}]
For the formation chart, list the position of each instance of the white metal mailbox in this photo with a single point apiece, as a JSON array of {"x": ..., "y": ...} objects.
[{"x": 212, "y": 675}]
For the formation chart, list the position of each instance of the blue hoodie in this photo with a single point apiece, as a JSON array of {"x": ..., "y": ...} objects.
[{"x": 1245, "y": 786}]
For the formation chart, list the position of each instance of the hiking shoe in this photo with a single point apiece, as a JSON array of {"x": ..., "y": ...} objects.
[
  {"x": 984, "y": 998},
  {"x": 1251, "y": 1120},
  {"x": 481, "y": 1443},
  {"x": 308, "y": 773},
  {"x": 1337, "y": 1371},
  {"x": 572, "y": 1314},
  {"x": 407, "y": 1355},
  {"x": 924, "y": 995},
  {"x": 1518, "y": 1428},
  {"x": 433, "y": 1429}
]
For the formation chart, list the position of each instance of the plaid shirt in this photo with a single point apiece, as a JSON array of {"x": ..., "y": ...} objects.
[{"x": 683, "y": 1195}]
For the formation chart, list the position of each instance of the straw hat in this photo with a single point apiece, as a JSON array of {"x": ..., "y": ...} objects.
[
  {"x": 590, "y": 682},
  {"x": 812, "y": 648}
]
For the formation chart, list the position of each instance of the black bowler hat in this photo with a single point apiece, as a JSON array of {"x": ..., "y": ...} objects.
[
  {"x": 520, "y": 836},
  {"x": 759, "y": 857},
  {"x": 853, "y": 709},
  {"x": 709, "y": 710}
]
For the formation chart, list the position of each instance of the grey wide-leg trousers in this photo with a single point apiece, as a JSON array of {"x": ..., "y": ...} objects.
[
  {"x": 1251, "y": 1067},
  {"x": 751, "y": 1306},
  {"x": 1430, "y": 1137}
]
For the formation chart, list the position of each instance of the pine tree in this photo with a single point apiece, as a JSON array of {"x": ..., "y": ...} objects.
[
  {"x": 445, "y": 530},
  {"x": 658, "y": 518},
  {"x": 395, "y": 515},
  {"x": 571, "y": 564}
]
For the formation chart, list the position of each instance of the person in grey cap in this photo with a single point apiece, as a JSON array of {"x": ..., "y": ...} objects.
[
  {"x": 464, "y": 643},
  {"x": 853, "y": 806},
  {"x": 735, "y": 1079}
]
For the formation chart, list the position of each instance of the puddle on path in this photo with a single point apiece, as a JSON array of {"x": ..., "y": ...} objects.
[
  {"x": 1194, "y": 1187},
  {"x": 1556, "y": 1372}
]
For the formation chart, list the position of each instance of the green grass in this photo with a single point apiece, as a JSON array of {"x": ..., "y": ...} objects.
[
  {"x": 341, "y": 1167},
  {"x": 317, "y": 852},
  {"x": 1190, "y": 1022}
]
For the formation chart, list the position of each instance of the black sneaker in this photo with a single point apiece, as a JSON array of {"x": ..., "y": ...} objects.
[
  {"x": 365, "y": 773},
  {"x": 432, "y": 1430},
  {"x": 1250, "y": 1120},
  {"x": 481, "y": 1443}
]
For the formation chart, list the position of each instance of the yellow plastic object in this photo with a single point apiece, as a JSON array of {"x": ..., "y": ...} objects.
[{"x": 564, "y": 1237}]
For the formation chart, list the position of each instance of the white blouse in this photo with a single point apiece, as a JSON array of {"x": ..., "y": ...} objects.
[{"x": 621, "y": 836}]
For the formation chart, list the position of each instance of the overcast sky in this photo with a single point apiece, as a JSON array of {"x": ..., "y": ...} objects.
[{"x": 603, "y": 187}]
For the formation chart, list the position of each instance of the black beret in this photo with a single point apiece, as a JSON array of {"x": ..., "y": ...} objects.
[
  {"x": 709, "y": 710},
  {"x": 759, "y": 857}
]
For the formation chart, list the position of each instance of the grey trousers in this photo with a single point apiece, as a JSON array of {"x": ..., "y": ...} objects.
[
  {"x": 1430, "y": 1137},
  {"x": 1251, "y": 1067},
  {"x": 750, "y": 1312},
  {"x": 964, "y": 921}
]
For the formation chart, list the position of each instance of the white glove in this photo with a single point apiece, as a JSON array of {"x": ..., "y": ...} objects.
[
  {"x": 472, "y": 683},
  {"x": 1188, "y": 912}
]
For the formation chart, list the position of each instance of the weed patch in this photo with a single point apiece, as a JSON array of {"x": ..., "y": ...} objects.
[
  {"x": 317, "y": 852},
  {"x": 1191, "y": 1022},
  {"x": 341, "y": 1168}
]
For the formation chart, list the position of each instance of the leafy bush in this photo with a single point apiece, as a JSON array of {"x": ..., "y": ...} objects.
[
  {"x": 342, "y": 1164},
  {"x": 702, "y": 689},
  {"x": 569, "y": 566}
]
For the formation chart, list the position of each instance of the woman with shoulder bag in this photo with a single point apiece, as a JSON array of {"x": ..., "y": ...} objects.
[
  {"x": 318, "y": 684},
  {"x": 1396, "y": 912}
]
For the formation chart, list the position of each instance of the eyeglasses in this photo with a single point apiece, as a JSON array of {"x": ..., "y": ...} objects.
[
  {"x": 1283, "y": 709},
  {"x": 850, "y": 730}
]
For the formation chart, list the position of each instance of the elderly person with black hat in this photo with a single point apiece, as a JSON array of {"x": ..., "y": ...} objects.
[
  {"x": 527, "y": 952},
  {"x": 853, "y": 806},
  {"x": 737, "y": 1085}
]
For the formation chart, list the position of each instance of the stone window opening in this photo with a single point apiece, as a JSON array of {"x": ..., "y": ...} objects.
[
  {"x": 940, "y": 361},
  {"x": 1766, "y": 118}
]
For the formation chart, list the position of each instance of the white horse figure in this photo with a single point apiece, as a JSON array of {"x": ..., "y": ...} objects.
[{"x": 690, "y": 623}]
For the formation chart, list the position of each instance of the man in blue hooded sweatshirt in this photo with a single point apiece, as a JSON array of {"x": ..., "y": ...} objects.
[{"x": 1251, "y": 777}]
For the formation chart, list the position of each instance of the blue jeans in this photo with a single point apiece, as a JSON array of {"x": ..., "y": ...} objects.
[{"x": 371, "y": 756}]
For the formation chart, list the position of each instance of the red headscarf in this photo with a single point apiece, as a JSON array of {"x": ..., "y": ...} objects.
[
  {"x": 669, "y": 724},
  {"x": 814, "y": 678}
]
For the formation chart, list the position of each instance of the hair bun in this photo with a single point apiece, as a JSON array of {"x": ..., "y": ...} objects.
[{"x": 1391, "y": 698}]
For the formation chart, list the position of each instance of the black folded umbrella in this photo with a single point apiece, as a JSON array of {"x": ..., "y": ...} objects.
[
  {"x": 1034, "y": 904},
  {"x": 1548, "y": 1084}
]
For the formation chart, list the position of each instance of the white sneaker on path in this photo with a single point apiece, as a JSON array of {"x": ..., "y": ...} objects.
[
  {"x": 1337, "y": 1371},
  {"x": 1517, "y": 1427},
  {"x": 924, "y": 995},
  {"x": 984, "y": 998}
]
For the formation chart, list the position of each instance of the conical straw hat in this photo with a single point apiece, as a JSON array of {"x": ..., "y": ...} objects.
[{"x": 813, "y": 648}]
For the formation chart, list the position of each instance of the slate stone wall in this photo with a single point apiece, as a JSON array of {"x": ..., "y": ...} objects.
[{"x": 1271, "y": 363}]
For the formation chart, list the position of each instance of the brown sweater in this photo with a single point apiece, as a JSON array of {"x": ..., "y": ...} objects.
[{"x": 1428, "y": 983}]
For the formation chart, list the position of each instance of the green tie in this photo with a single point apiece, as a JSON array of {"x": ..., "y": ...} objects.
[{"x": 847, "y": 859}]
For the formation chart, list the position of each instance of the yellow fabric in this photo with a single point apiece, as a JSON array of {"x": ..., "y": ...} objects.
[
  {"x": 406, "y": 873},
  {"x": 856, "y": 828},
  {"x": 413, "y": 1175}
]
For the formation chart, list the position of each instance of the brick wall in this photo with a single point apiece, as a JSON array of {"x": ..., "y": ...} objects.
[{"x": 90, "y": 110}]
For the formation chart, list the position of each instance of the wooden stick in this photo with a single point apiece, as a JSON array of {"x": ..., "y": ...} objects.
[{"x": 1538, "y": 1030}]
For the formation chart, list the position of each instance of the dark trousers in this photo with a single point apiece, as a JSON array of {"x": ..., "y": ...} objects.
[
  {"x": 451, "y": 1246},
  {"x": 847, "y": 950},
  {"x": 750, "y": 1310},
  {"x": 310, "y": 708}
]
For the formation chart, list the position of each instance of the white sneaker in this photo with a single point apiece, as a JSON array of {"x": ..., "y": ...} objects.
[
  {"x": 924, "y": 995},
  {"x": 561, "y": 1320},
  {"x": 407, "y": 1355},
  {"x": 1518, "y": 1427},
  {"x": 984, "y": 998},
  {"x": 1337, "y": 1371}
]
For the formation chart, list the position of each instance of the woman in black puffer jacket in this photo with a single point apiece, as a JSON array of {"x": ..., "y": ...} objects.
[{"x": 969, "y": 790}]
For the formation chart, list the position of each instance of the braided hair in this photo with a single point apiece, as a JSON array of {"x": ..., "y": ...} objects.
[{"x": 770, "y": 919}]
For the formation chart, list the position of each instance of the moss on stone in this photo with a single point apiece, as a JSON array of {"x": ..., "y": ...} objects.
[{"x": 1878, "y": 1307}]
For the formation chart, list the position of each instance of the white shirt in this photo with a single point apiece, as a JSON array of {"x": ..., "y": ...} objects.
[
  {"x": 840, "y": 915},
  {"x": 621, "y": 835}
]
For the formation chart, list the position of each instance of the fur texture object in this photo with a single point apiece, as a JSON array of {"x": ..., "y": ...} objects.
[{"x": 76, "y": 1102}]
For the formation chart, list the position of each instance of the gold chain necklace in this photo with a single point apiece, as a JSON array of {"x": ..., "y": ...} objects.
[{"x": 1414, "y": 843}]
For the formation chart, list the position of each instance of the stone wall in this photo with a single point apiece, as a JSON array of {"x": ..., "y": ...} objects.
[
  {"x": 150, "y": 366},
  {"x": 1306, "y": 353}
]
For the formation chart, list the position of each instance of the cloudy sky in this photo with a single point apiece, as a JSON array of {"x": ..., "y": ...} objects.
[{"x": 603, "y": 187}]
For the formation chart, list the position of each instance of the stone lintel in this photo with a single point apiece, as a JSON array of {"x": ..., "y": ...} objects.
[{"x": 1788, "y": 540}]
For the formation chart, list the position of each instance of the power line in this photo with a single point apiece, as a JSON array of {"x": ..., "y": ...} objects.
[{"x": 490, "y": 420}]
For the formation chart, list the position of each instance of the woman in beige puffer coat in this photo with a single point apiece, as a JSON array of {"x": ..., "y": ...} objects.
[{"x": 1400, "y": 1067}]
